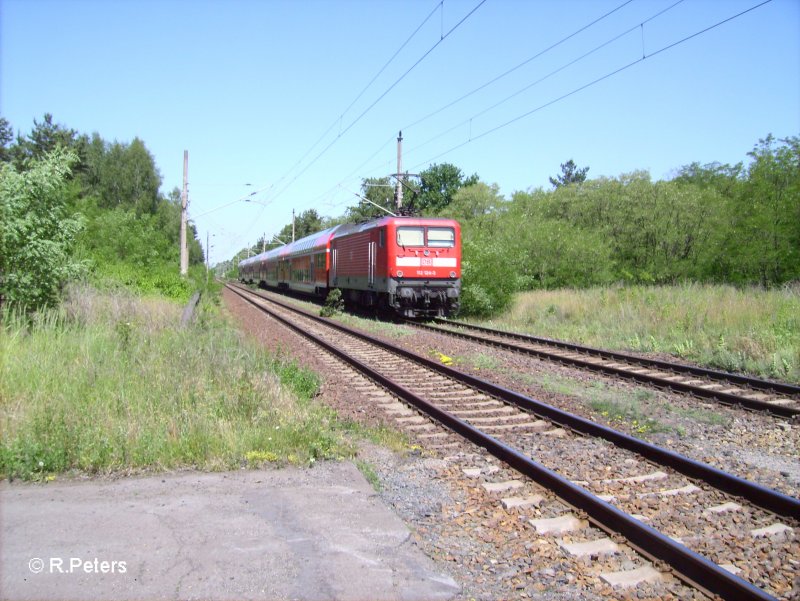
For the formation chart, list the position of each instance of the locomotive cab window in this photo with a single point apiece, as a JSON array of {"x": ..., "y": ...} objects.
[
  {"x": 441, "y": 237},
  {"x": 411, "y": 236}
]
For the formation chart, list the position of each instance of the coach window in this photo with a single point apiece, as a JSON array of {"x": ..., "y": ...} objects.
[
  {"x": 441, "y": 237},
  {"x": 381, "y": 238},
  {"x": 410, "y": 236}
]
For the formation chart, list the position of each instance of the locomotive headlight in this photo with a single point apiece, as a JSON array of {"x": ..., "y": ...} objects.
[
  {"x": 452, "y": 274},
  {"x": 399, "y": 274}
]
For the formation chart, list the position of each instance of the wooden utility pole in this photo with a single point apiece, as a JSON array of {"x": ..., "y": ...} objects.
[
  {"x": 184, "y": 205},
  {"x": 292, "y": 225},
  {"x": 398, "y": 195}
]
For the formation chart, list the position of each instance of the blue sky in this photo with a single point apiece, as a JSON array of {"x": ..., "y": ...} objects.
[{"x": 249, "y": 86}]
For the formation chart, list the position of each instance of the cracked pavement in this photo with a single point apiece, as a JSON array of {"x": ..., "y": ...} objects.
[{"x": 318, "y": 533}]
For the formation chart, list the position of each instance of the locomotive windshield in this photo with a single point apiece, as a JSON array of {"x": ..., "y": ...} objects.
[
  {"x": 411, "y": 236},
  {"x": 437, "y": 237},
  {"x": 441, "y": 237}
]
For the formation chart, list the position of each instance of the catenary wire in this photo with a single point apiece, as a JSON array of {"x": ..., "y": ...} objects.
[
  {"x": 515, "y": 68},
  {"x": 361, "y": 93},
  {"x": 248, "y": 196},
  {"x": 592, "y": 83},
  {"x": 337, "y": 120},
  {"x": 545, "y": 77},
  {"x": 383, "y": 95}
]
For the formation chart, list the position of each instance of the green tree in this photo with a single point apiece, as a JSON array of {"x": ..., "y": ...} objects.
[
  {"x": 305, "y": 223},
  {"x": 570, "y": 174},
  {"x": 37, "y": 233},
  {"x": 131, "y": 230},
  {"x": 477, "y": 205},
  {"x": 95, "y": 158},
  {"x": 766, "y": 228},
  {"x": 46, "y": 136},
  {"x": 551, "y": 251},
  {"x": 654, "y": 231},
  {"x": 168, "y": 215},
  {"x": 123, "y": 175},
  {"x": 438, "y": 186},
  {"x": 380, "y": 192},
  {"x": 6, "y": 136},
  {"x": 725, "y": 179},
  {"x": 488, "y": 274}
]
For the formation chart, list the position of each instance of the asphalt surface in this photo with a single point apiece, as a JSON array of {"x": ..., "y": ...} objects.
[{"x": 318, "y": 533}]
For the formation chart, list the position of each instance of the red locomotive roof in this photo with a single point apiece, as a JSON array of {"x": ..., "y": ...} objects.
[{"x": 352, "y": 228}]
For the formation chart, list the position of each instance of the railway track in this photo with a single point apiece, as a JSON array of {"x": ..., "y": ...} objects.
[
  {"x": 777, "y": 398},
  {"x": 704, "y": 524}
]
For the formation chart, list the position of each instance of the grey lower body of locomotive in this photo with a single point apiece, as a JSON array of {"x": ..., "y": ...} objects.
[{"x": 407, "y": 297}]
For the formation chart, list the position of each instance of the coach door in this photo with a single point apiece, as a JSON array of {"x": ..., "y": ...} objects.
[
  {"x": 371, "y": 270},
  {"x": 333, "y": 275}
]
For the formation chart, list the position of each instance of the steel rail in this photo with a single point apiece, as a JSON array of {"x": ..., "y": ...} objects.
[
  {"x": 661, "y": 382},
  {"x": 688, "y": 565},
  {"x": 714, "y": 374}
]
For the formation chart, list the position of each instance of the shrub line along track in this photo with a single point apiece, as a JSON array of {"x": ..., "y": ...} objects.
[
  {"x": 690, "y": 566},
  {"x": 717, "y": 385}
]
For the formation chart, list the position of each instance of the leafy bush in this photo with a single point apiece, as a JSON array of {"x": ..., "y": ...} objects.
[
  {"x": 333, "y": 304},
  {"x": 38, "y": 234},
  {"x": 155, "y": 280},
  {"x": 488, "y": 276}
]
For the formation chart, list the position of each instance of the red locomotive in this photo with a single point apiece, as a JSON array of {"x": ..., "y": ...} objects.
[{"x": 411, "y": 265}]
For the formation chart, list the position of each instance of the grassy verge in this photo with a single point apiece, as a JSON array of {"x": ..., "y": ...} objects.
[
  {"x": 616, "y": 406},
  {"x": 374, "y": 325},
  {"x": 109, "y": 383},
  {"x": 750, "y": 330},
  {"x": 369, "y": 474}
]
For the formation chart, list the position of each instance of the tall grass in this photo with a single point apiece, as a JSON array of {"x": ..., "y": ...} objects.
[
  {"x": 108, "y": 382},
  {"x": 750, "y": 329}
]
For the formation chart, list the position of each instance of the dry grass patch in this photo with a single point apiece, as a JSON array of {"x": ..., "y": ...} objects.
[{"x": 751, "y": 329}]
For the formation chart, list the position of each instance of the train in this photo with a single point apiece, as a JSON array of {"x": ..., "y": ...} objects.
[{"x": 408, "y": 266}]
